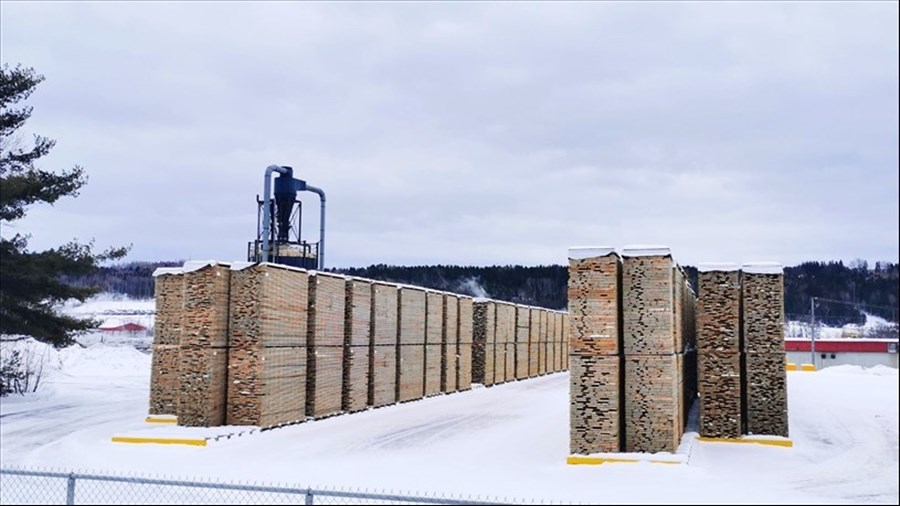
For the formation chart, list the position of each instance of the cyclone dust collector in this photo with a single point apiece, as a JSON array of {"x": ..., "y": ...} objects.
[{"x": 278, "y": 221}]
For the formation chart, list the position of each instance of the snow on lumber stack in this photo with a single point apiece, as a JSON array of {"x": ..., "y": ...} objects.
[
  {"x": 267, "y": 339},
  {"x": 434, "y": 337},
  {"x": 411, "y": 384},
  {"x": 357, "y": 345},
  {"x": 594, "y": 354},
  {"x": 718, "y": 350},
  {"x": 325, "y": 339},
  {"x": 465, "y": 343},
  {"x": 764, "y": 355},
  {"x": 385, "y": 311},
  {"x": 169, "y": 297},
  {"x": 449, "y": 370},
  {"x": 203, "y": 358}
]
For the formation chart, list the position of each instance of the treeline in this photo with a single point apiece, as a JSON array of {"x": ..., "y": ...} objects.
[{"x": 843, "y": 291}]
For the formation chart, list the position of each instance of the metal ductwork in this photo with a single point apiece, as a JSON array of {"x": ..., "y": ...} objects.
[{"x": 279, "y": 230}]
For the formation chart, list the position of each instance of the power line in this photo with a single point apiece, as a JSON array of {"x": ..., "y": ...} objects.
[{"x": 892, "y": 308}]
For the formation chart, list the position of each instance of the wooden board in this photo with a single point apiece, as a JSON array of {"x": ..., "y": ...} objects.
[
  {"x": 465, "y": 343},
  {"x": 266, "y": 385},
  {"x": 523, "y": 330}
]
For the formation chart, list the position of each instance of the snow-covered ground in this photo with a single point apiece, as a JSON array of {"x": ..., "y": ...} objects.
[
  {"x": 112, "y": 310},
  {"x": 874, "y": 326},
  {"x": 508, "y": 441}
]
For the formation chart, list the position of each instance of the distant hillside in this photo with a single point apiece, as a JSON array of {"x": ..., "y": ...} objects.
[{"x": 845, "y": 291}]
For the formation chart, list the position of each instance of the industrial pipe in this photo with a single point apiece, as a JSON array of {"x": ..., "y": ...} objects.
[
  {"x": 321, "y": 194},
  {"x": 267, "y": 216}
]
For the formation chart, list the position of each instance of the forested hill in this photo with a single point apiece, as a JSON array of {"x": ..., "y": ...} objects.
[{"x": 857, "y": 287}]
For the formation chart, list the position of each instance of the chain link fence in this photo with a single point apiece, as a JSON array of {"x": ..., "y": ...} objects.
[{"x": 26, "y": 486}]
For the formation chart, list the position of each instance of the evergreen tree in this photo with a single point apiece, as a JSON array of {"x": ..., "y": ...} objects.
[{"x": 31, "y": 283}]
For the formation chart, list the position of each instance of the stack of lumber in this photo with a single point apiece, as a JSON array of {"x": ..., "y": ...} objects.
[
  {"x": 464, "y": 381},
  {"x": 534, "y": 334},
  {"x": 523, "y": 329},
  {"x": 484, "y": 329},
  {"x": 203, "y": 355},
  {"x": 718, "y": 349},
  {"x": 325, "y": 344},
  {"x": 450, "y": 352},
  {"x": 595, "y": 388},
  {"x": 763, "y": 325},
  {"x": 653, "y": 360},
  {"x": 505, "y": 352},
  {"x": 267, "y": 346},
  {"x": 434, "y": 342},
  {"x": 357, "y": 344},
  {"x": 383, "y": 365},
  {"x": 411, "y": 348},
  {"x": 164, "y": 382}
]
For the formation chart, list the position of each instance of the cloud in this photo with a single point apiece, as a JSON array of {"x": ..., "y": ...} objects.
[{"x": 473, "y": 133}]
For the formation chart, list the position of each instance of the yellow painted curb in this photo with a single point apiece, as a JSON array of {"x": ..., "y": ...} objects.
[
  {"x": 808, "y": 367},
  {"x": 770, "y": 442},
  {"x": 791, "y": 366},
  {"x": 576, "y": 461},
  {"x": 159, "y": 440},
  {"x": 158, "y": 419}
]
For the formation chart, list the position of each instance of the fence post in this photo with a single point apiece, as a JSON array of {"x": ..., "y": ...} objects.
[
  {"x": 70, "y": 489},
  {"x": 309, "y": 496}
]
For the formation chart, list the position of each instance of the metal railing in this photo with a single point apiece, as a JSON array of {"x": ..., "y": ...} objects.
[{"x": 24, "y": 486}]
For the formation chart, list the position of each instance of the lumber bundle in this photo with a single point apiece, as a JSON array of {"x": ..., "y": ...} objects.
[
  {"x": 718, "y": 308},
  {"x": 654, "y": 404},
  {"x": 411, "y": 350},
  {"x": 450, "y": 353},
  {"x": 543, "y": 328},
  {"x": 534, "y": 333},
  {"x": 719, "y": 376},
  {"x": 595, "y": 400},
  {"x": 594, "y": 324},
  {"x": 523, "y": 329},
  {"x": 505, "y": 336},
  {"x": 168, "y": 292},
  {"x": 647, "y": 305},
  {"x": 325, "y": 341},
  {"x": 434, "y": 338},
  {"x": 464, "y": 381},
  {"x": 764, "y": 356},
  {"x": 718, "y": 350},
  {"x": 383, "y": 364},
  {"x": 267, "y": 338},
  {"x": 203, "y": 357},
  {"x": 357, "y": 345},
  {"x": 653, "y": 408},
  {"x": 484, "y": 336}
]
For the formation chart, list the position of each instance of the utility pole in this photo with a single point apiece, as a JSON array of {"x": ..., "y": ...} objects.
[{"x": 812, "y": 329}]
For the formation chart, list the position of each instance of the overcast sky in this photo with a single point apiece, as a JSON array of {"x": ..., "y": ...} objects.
[{"x": 471, "y": 133}]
